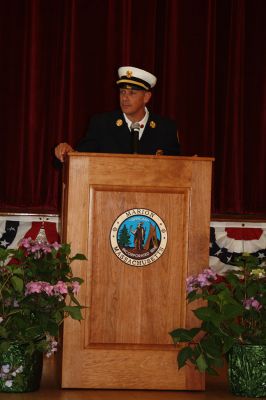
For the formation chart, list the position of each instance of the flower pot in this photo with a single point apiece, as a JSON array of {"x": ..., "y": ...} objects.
[
  {"x": 20, "y": 371},
  {"x": 247, "y": 370}
]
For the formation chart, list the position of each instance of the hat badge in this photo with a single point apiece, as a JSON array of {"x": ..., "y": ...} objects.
[
  {"x": 119, "y": 122},
  {"x": 129, "y": 74},
  {"x": 152, "y": 124}
]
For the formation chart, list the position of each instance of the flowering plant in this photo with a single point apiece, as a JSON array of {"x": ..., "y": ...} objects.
[
  {"x": 37, "y": 291},
  {"x": 234, "y": 311}
]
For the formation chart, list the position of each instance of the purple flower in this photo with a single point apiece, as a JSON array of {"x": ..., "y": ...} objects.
[
  {"x": 252, "y": 303},
  {"x": 38, "y": 247},
  {"x": 5, "y": 368},
  {"x": 202, "y": 280},
  {"x": 15, "y": 303},
  {"x": 190, "y": 283},
  {"x": 52, "y": 348}
]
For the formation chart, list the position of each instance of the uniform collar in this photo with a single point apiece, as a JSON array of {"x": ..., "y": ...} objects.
[{"x": 142, "y": 122}]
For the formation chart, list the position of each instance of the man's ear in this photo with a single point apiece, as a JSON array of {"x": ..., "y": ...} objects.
[{"x": 147, "y": 97}]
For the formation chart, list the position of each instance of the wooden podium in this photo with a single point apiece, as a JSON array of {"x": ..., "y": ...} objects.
[{"x": 135, "y": 289}]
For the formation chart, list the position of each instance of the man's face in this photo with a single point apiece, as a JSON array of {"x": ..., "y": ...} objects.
[{"x": 132, "y": 103}]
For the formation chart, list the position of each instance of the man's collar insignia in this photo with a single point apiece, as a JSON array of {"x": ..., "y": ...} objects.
[
  {"x": 152, "y": 124},
  {"x": 119, "y": 122}
]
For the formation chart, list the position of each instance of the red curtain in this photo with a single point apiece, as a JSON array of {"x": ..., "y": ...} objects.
[{"x": 58, "y": 67}]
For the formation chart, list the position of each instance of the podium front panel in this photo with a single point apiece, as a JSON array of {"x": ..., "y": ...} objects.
[{"x": 143, "y": 223}]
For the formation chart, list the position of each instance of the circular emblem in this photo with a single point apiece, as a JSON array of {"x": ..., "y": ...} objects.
[
  {"x": 153, "y": 124},
  {"x": 138, "y": 237},
  {"x": 119, "y": 122}
]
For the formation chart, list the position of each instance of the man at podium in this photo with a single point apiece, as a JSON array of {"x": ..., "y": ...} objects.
[{"x": 133, "y": 128}]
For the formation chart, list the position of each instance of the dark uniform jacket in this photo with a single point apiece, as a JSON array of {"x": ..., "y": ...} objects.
[{"x": 109, "y": 133}]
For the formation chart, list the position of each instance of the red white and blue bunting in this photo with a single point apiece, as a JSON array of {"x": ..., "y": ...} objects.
[
  {"x": 228, "y": 240},
  {"x": 15, "y": 228}
]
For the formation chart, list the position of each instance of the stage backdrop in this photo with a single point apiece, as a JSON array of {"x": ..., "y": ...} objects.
[{"x": 58, "y": 67}]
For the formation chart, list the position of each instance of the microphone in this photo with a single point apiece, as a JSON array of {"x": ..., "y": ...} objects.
[{"x": 135, "y": 128}]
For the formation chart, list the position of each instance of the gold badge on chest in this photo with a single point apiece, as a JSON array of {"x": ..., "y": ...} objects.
[{"x": 119, "y": 122}]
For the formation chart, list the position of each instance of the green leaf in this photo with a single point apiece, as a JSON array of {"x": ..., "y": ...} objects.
[
  {"x": 74, "y": 312},
  {"x": 18, "y": 271},
  {"x": 230, "y": 311},
  {"x": 52, "y": 328},
  {"x": 3, "y": 332},
  {"x": 193, "y": 296},
  {"x": 17, "y": 283},
  {"x": 185, "y": 354},
  {"x": 201, "y": 363},
  {"x": 58, "y": 317},
  {"x": 225, "y": 296},
  {"x": 218, "y": 362},
  {"x": 78, "y": 256},
  {"x": 207, "y": 314},
  {"x": 73, "y": 298},
  {"x": 212, "y": 371},
  {"x": 209, "y": 327},
  {"x": 184, "y": 335},
  {"x": 76, "y": 279},
  {"x": 252, "y": 289},
  {"x": 211, "y": 346},
  {"x": 232, "y": 279},
  {"x": 4, "y": 346},
  {"x": 228, "y": 343},
  {"x": 214, "y": 298}
]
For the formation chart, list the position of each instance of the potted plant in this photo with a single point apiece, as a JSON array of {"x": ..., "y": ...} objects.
[
  {"x": 37, "y": 292},
  {"x": 232, "y": 325}
]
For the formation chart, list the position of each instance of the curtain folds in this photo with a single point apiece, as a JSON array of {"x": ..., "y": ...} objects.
[{"x": 58, "y": 66}]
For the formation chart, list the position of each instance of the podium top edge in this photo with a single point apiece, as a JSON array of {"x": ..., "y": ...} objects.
[{"x": 142, "y": 156}]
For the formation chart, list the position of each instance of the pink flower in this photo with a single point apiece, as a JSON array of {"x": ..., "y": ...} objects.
[
  {"x": 60, "y": 288},
  {"x": 56, "y": 245},
  {"x": 35, "y": 247},
  {"x": 33, "y": 287},
  {"x": 47, "y": 288},
  {"x": 26, "y": 242},
  {"x": 46, "y": 248},
  {"x": 75, "y": 287}
]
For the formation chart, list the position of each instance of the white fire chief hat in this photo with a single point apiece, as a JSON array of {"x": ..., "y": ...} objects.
[{"x": 135, "y": 78}]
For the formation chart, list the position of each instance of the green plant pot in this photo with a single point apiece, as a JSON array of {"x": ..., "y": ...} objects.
[
  {"x": 247, "y": 370},
  {"x": 19, "y": 371}
]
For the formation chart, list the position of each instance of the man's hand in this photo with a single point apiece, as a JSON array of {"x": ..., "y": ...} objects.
[{"x": 61, "y": 149}]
